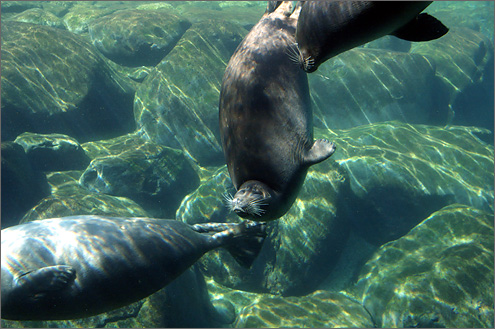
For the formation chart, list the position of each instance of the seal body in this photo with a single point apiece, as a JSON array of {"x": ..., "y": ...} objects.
[
  {"x": 328, "y": 28},
  {"x": 65, "y": 268},
  {"x": 266, "y": 123}
]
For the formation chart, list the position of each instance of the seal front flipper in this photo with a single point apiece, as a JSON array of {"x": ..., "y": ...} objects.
[
  {"x": 243, "y": 240},
  {"x": 321, "y": 150},
  {"x": 422, "y": 28},
  {"x": 38, "y": 283}
]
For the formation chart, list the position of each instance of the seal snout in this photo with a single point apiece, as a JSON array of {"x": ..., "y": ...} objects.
[
  {"x": 237, "y": 205},
  {"x": 250, "y": 201}
]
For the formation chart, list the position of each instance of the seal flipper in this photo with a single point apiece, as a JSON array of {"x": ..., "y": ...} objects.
[
  {"x": 243, "y": 241},
  {"x": 321, "y": 150},
  {"x": 422, "y": 28},
  {"x": 43, "y": 280}
]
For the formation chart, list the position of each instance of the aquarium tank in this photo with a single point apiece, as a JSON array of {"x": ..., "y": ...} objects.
[{"x": 111, "y": 108}]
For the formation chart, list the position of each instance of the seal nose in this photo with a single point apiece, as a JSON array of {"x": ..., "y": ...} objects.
[{"x": 237, "y": 206}]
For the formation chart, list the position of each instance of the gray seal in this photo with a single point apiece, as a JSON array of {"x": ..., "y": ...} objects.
[
  {"x": 328, "y": 28},
  {"x": 266, "y": 120},
  {"x": 66, "y": 268}
]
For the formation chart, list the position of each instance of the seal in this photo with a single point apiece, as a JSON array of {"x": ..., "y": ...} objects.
[
  {"x": 266, "y": 120},
  {"x": 71, "y": 267},
  {"x": 328, "y": 28}
]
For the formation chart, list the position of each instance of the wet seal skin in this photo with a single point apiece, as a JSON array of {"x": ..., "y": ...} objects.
[
  {"x": 266, "y": 120},
  {"x": 72, "y": 267},
  {"x": 328, "y": 28}
]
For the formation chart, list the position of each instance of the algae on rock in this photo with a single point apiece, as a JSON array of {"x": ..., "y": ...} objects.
[
  {"x": 177, "y": 104},
  {"x": 438, "y": 275}
]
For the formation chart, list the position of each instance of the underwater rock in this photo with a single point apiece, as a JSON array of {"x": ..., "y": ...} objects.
[
  {"x": 464, "y": 63},
  {"x": 68, "y": 198},
  {"x": 177, "y": 104},
  {"x": 79, "y": 17},
  {"x": 305, "y": 245},
  {"x": 19, "y": 6},
  {"x": 22, "y": 187},
  {"x": 390, "y": 43},
  {"x": 206, "y": 204},
  {"x": 363, "y": 86},
  {"x": 137, "y": 37},
  {"x": 244, "y": 13},
  {"x": 53, "y": 152},
  {"x": 38, "y": 16},
  {"x": 475, "y": 15},
  {"x": 154, "y": 176},
  {"x": 438, "y": 275},
  {"x": 301, "y": 248},
  {"x": 58, "y": 8},
  {"x": 55, "y": 82},
  {"x": 156, "y": 5},
  {"x": 321, "y": 309},
  {"x": 401, "y": 173},
  {"x": 184, "y": 303},
  {"x": 384, "y": 179}
]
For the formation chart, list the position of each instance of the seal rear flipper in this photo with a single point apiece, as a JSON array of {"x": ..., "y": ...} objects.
[
  {"x": 321, "y": 150},
  {"x": 38, "y": 282},
  {"x": 422, "y": 28},
  {"x": 272, "y": 5},
  {"x": 244, "y": 241}
]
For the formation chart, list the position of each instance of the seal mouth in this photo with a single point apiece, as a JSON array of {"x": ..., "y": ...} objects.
[{"x": 245, "y": 208}]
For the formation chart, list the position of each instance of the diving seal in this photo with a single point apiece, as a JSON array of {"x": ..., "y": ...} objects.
[
  {"x": 328, "y": 28},
  {"x": 65, "y": 268},
  {"x": 266, "y": 124}
]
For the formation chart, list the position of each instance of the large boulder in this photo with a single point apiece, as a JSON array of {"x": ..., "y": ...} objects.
[
  {"x": 364, "y": 86},
  {"x": 245, "y": 13},
  {"x": 19, "y": 6},
  {"x": 53, "y": 152},
  {"x": 38, "y": 16},
  {"x": 475, "y": 15},
  {"x": 55, "y": 82},
  {"x": 177, "y": 104},
  {"x": 301, "y": 249},
  {"x": 68, "y": 198},
  {"x": 154, "y": 176},
  {"x": 79, "y": 16},
  {"x": 320, "y": 309},
  {"x": 438, "y": 275},
  {"x": 22, "y": 187},
  {"x": 401, "y": 173},
  {"x": 137, "y": 37},
  {"x": 464, "y": 63}
]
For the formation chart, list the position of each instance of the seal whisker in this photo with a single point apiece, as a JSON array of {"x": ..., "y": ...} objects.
[
  {"x": 295, "y": 54},
  {"x": 228, "y": 199}
]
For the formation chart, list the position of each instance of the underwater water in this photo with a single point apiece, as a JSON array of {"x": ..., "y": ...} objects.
[{"x": 111, "y": 108}]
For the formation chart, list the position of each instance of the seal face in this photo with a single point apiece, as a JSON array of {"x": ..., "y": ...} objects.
[
  {"x": 266, "y": 124},
  {"x": 65, "y": 268},
  {"x": 328, "y": 28}
]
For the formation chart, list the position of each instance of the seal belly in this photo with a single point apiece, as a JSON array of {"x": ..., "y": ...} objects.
[
  {"x": 71, "y": 267},
  {"x": 266, "y": 124},
  {"x": 264, "y": 106}
]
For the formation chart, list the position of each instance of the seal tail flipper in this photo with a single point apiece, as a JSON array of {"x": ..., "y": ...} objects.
[
  {"x": 321, "y": 150},
  {"x": 40, "y": 282},
  {"x": 243, "y": 240},
  {"x": 422, "y": 28}
]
